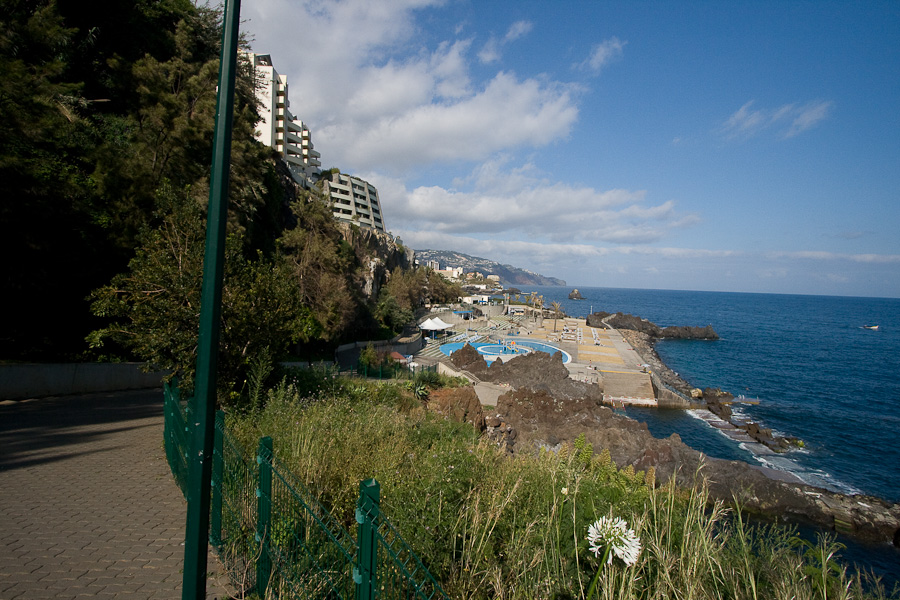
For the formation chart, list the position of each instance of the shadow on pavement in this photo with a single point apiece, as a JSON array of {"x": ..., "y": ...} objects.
[{"x": 50, "y": 429}]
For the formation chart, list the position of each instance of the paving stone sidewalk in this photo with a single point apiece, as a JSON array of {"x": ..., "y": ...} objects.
[{"x": 88, "y": 506}]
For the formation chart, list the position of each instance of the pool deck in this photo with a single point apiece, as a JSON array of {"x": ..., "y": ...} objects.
[
  {"x": 599, "y": 351},
  {"x": 596, "y": 353}
]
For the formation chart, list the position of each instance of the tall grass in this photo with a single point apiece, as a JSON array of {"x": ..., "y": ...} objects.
[{"x": 489, "y": 525}]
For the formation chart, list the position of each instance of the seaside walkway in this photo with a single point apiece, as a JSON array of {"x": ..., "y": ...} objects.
[{"x": 88, "y": 506}]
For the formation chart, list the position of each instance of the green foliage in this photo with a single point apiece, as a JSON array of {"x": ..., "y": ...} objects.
[
  {"x": 102, "y": 109},
  {"x": 321, "y": 266},
  {"x": 390, "y": 314},
  {"x": 368, "y": 357},
  {"x": 99, "y": 105},
  {"x": 154, "y": 306},
  {"x": 441, "y": 290},
  {"x": 488, "y": 525}
]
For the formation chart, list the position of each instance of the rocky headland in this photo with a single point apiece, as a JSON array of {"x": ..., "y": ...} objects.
[{"x": 544, "y": 407}]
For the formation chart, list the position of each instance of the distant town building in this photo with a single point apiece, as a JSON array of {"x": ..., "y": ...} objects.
[
  {"x": 493, "y": 277},
  {"x": 433, "y": 264},
  {"x": 354, "y": 200},
  {"x": 451, "y": 272},
  {"x": 278, "y": 127}
]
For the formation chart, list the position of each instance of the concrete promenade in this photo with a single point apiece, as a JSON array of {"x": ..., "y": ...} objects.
[{"x": 88, "y": 507}]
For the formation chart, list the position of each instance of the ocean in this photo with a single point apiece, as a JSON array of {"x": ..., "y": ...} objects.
[{"x": 818, "y": 375}]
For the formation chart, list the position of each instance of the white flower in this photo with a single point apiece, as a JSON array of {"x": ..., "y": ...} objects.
[
  {"x": 565, "y": 491},
  {"x": 613, "y": 532}
]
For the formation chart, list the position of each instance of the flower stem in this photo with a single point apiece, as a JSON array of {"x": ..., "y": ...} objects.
[{"x": 593, "y": 585}]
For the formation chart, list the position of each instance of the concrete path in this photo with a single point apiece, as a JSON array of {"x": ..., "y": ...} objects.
[{"x": 88, "y": 506}]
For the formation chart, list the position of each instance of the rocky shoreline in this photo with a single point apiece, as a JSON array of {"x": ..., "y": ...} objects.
[
  {"x": 544, "y": 407},
  {"x": 643, "y": 335}
]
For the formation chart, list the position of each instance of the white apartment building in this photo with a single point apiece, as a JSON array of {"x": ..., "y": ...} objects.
[
  {"x": 278, "y": 127},
  {"x": 354, "y": 200}
]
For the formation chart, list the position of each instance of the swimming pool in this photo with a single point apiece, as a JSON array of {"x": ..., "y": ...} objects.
[{"x": 510, "y": 349}]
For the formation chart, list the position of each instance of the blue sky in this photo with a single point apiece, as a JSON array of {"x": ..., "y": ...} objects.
[{"x": 749, "y": 146}]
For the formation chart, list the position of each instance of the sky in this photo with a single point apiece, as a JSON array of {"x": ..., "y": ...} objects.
[{"x": 722, "y": 146}]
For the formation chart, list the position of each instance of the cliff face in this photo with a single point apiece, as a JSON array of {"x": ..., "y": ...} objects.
[{"x": 378, "y": 254}]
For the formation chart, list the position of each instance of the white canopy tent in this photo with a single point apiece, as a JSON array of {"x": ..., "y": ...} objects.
[{"x": 435, "y": 324}]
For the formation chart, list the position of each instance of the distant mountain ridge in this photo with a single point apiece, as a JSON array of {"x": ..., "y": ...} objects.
[{"x": 509, "y": 275}]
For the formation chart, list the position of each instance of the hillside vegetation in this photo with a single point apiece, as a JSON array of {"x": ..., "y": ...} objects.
[
  {"x": 106, "y": 119},
  {"x": 488, "y": 525}
]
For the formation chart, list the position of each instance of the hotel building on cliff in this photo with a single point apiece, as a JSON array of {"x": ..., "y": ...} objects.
[{"x": 353, "y": 199}]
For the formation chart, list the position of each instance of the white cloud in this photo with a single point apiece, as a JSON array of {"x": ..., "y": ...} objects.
[
  {"x": 517, "y": 30},
  {"x": 809, "y": 116},
  {"x": 506, "y": 113},
  {"x": 491, "y": 52},
  {"x": 496, "y": 199},
  {"x": 788, "y": 119},
  {"x": 602, "y": 54},
  {"x": 376, "y": 97},
  {"x": 818, "y": 255}
]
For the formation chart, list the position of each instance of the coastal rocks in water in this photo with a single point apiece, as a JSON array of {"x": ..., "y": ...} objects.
[
  {"x": 575, "y": 295},
  {"x": 679, "y": 332},
  {"x": 631, "y": 322},
  {"x": 541, "y": 420},
  {"x": 718, "y": 402}
]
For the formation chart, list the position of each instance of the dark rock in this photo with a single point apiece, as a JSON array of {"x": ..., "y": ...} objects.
[
  {"x": 625, "y": 321},
  {"x": 460, "y": 404},
  {"x": 575, "y": 295},
  {"x": 634, "y": 323},
  {"x": 541, "y": 420},
  {"x": 717, "y": 396},
  {"x": 595, "y": 319},
  {"x": 689, "y": 333},
  {"x": 469, "y": 359}
]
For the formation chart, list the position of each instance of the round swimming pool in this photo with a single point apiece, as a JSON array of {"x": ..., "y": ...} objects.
[
  {"x": 503, "y": 349},
  {"x": 508, "y": 350}
]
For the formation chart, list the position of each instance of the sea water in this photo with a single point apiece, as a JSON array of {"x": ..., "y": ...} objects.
[{"x": 817, "y": 373}]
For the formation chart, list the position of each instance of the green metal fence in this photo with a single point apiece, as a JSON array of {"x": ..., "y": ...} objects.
[
  {"x": 392, "y": 370},
  {"x": 274, "y": 535}
]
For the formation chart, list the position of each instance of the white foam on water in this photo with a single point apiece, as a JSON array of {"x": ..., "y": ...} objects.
[{"x": 776, "y": 461}]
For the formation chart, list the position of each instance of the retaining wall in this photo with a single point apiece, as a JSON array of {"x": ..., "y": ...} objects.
[{"x": 20, "y": 381}]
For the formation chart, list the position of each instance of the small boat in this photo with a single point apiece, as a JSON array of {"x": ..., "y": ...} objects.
[{"x": 872, "y": 327}]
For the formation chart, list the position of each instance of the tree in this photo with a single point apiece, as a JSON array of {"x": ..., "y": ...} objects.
[
  {"x": 99, "y": 105},
  {"x": 557, "y": 307},
  {"x": 440, "y": 289},
  {"x": 321, "y": 266},
  {"x": 154, "y": 307}
]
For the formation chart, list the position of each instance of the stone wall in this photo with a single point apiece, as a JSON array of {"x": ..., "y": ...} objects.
[{"x": 20, "y": 381}]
